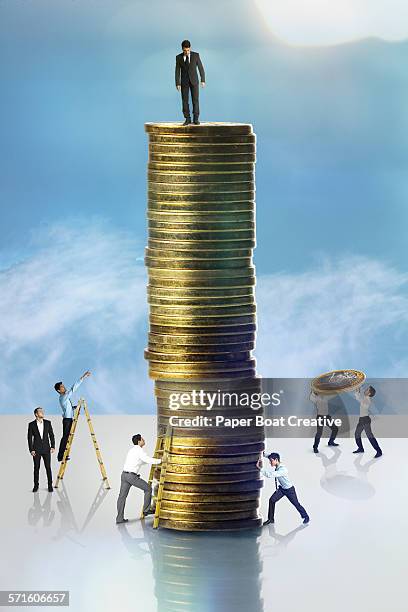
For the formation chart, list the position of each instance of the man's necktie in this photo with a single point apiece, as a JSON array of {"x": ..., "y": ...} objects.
[{"x": 187, "y": 61}]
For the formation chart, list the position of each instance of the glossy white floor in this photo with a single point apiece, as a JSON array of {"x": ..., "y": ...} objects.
[{"x": 350, "y": 557}]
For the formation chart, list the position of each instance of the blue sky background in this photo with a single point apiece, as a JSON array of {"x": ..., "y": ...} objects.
[{"x": 80, "y": 78}]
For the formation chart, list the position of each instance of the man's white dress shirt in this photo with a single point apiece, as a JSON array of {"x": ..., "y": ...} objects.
[
  {"x": 321, "y": 402},
  {"x": 136, "y": 458},
  {"x": 365, "y": 401},
  {"x": 40, "y": 425},
  {"x": 280, "y": 473},
  {"x": 65, "y": 400}
]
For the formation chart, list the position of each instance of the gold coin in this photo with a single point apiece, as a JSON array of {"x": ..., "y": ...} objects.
[
  {"x": 198, "y": 294},
  {"x": 202, "y": 509},
  {"x": 216, "y": 276},
  {"x": 238, "y": 487},
  {"x": 208, "y": 507},
  {"x": 194, "y": 137},
  {"x": 185, "y": 264},
  {"x": 178, "y": 357},
  {"x": 212, "y": 128},
  {"x": 218, "y": 436},
  {"x": 210, "y": 437},
  {"x": 193, "y": 165},
  {"x": 166, "y": 355},
  {"x": 213, "y": 460},
  {"x": 184, "y": 189},
  {"x": 193, "y": 245},
  {"x": 198, "y": 281},
  {"x": 223, "y": 449},
  {"x": 180, "y": 514},
  {"x": 195, "y": 168},
  {"x": 161, "y": 375},
  {"x": 165, "y": 411},
  {"x": 196, "y": 498},
  {"x": 200, "y": 284},
  {"x": 165, "y": 155},
  {"x": 199, "y": 256},
  {"x": 251, "y": 382},
  {"x": 224, "y": 392},
  {"x": 202, "y": 226},
  {"x": 245, "y": 195},
  {"x": 337, "y": 381},
  {"x": 229, "y": 407},
  {"x": 205, "y": 366},
  {"x": 198, "y": 178},
  {"x": 236, "y": 525},
  {"x": 212, "y": 150},
  {"x": 208, "y": 302},
  {"x": 197, "y": 322},
  {"x": 197, "y": 310},
  {"x": 212, "y": 237},
  {"x": 200, "y": 340},
  {"x": 184, "y": 330},
  {"x": 201, "y": 217},
  {"x": 211, "y": 478},
  {"x": 203, "y": 468},
  {"x": 203, "y": 341},
  {"x": 188, "y": 352},
  {"x": 201, "y": 274},
  {"x": 244, "y": 206},
  {"x": 244, "y": 300},
  {"x": 223, "y": 401}
]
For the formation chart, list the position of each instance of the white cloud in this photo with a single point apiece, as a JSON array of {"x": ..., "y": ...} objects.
[
  {"x": 330, "y": 22},
  {"x": 349, "y": 314},
  {"x": 78, "y": 301}
]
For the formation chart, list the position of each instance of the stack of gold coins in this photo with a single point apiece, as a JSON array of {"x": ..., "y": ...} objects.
[{"x": 201, "y": 235}]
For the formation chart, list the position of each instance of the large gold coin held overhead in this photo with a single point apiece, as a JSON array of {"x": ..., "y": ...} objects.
[
  {"x": 337, "y": 381},
  {"x": 202, "y": 314}
]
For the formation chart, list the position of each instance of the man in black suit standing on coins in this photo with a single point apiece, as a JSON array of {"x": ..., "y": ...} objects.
[
  {"x": 187, "y": 63},
  {"x": 41, "y": 443}
]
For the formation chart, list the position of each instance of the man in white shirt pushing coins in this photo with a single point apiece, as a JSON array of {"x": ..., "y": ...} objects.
[{"x": 130, "y": 477}]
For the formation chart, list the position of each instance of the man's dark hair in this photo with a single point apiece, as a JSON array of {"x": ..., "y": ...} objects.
[
  {"x": 57, "y": 385},
  {"x": 35, "y": 410},
  {"x": 136, "y": 438},
  {"x": 274, "y": 456},
  {"x": 185, "y": 43},
  {"x": 371, "y": 391}
]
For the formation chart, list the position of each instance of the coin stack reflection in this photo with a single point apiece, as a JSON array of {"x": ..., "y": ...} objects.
[{"x": 202, "y": 319}]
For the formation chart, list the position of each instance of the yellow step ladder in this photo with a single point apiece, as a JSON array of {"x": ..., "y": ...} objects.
[
  {"x": 163, "y": 444},
  {"x": 82, "y": 404}
]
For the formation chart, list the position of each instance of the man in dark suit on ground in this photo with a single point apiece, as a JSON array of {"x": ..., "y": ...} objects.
[
  {"x": 41, "y": 443},
  {"x": 187, "y": 63}
]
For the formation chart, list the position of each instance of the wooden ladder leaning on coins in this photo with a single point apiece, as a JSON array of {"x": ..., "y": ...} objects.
[
  {"x": 82, "y": 404},
  {"x": 163, "y": 444}
]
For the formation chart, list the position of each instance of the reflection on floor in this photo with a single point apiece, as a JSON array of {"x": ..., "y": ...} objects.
[{"x": 200, "y": 572}]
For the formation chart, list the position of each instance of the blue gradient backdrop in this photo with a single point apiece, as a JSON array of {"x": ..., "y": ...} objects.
[{"x": 79, "y": 79}]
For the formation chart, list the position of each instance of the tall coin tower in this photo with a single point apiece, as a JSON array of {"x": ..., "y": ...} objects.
[{"x": 201, "y": 220}]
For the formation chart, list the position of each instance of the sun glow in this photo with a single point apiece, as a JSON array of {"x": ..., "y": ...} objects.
[{"x": 331, "y": 22}]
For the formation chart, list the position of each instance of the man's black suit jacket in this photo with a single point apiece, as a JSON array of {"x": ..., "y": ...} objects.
[
  {"x": 35, "y": 442},
  {"x": 183, "y": 75}
]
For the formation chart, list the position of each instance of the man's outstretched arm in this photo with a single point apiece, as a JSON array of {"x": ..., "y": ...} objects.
[
  {"x": 77, "y": 383},
  {"x": 150, "y": 460},
  {"x": 200, "y": 68}
]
